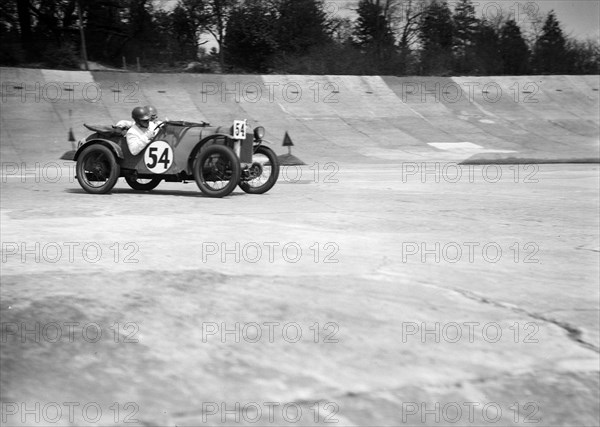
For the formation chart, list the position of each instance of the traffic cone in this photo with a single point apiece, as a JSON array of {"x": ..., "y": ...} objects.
[
  {"x": 289, "y": 159},
  {"x": 71, "y": 135}
]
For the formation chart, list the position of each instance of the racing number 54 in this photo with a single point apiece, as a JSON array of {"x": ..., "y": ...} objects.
[
  {"x": 164, "y": 158},
  {"x": 158, "y": 157},
  {"x": 239, "y": 129}
]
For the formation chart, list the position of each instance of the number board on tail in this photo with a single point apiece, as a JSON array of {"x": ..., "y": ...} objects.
[
  {"x": 158, "y": 157},
  {"x": 239, "y": 129}
]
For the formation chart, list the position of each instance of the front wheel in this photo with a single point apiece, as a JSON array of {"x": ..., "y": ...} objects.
[
  {"x": 216, "y": 170},
  {"x": 142, "y": 184},
  {"x": 263, "y": 172},
  {"x": 97, "y": 169}
]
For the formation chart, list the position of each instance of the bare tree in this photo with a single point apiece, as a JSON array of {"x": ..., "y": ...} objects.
[
  {"x": 534, "y": 24},
  {"x": 407, "y": 21}
]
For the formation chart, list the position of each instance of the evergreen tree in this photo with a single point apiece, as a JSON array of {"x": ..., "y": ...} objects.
[
  {"x": 250, "y": 36},
  {"x": 549, "y": 51},
  {"x": 436, "y": 39},
  {"x": 25, "y": 21},
  {"x": 106, "y": 31},
  {"x": 373, "y": 30},
  {"x": 487, "y": 59},
  {"x": 584, "y": 56},
  {"x": 12, "y": 48},
  {"x": 301, "y": 25},
  {"x": 466, "y": 26},
  {"x": 513, "y": 49},
  {"x": 48, "y": 31}
]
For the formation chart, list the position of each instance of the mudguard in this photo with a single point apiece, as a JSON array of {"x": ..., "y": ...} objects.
[
  {"x": 106, "y": 142},
  {"x": 69, "y": 155},
  {"x": 202, "y": 143}
]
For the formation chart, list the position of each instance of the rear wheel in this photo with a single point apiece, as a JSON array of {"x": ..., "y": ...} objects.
[
  {"x": 97, "y": 169},
  {"x": 142, "y": 184},
  {"x": 216, "y": 170},
  {"x": 264, "y": 172}
]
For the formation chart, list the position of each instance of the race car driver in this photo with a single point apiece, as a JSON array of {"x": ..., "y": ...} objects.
[
  {"x": 153, "y": 116},
  {"x": 126, "y": 124},
  {"x": 141, "y": 133}
]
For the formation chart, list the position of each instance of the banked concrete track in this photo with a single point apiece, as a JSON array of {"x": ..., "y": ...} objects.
[
  {"x": 461, "y": 295},
  {"x": 336, "y": 118}
]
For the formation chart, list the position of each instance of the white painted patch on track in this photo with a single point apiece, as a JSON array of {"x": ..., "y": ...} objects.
[{"x": 465, "y": 147}]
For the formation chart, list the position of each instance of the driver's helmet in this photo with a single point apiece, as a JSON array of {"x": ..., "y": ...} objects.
[
  {"x": 152, "y": 111},
  {"x": 140, "y": 113}
]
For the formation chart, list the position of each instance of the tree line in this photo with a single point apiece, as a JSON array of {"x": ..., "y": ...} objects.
[{"x": 389, "y": 37}]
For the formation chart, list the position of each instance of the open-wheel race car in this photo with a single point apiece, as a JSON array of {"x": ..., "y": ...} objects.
[{"x": 217, "y": 158}]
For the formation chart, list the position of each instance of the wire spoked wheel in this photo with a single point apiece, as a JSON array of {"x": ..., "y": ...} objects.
[
  {"x": 263, "y": 172},
  {"x": 217, "y": 171},
  {"x": 97, "y": 169}
]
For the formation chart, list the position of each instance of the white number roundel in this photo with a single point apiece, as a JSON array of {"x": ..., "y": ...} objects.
[{"x": 158, "y": 157}]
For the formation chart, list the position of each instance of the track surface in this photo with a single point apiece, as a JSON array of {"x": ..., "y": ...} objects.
[
  {"x": 381, "y": 284},
  {"x": 388, "y": 331}
]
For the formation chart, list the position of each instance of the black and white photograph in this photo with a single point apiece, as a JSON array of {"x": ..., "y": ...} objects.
[{"x": 293, "y": 213}]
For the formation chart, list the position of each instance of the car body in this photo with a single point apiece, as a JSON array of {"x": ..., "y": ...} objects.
[{"x": 218, "y": 158}]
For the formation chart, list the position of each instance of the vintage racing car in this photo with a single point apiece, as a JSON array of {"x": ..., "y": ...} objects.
[{"x": 217, "y": 158}]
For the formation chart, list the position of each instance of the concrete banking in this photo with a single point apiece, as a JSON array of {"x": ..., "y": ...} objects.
[{"x": 348, "y": 119}]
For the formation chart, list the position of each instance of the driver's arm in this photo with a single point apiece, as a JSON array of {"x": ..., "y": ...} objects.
[
  {"x": 124, "y": 124},
  {"x": 137, "y": 142}
]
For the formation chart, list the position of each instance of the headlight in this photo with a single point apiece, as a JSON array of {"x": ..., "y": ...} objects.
[{"x": 259, "y": 132}]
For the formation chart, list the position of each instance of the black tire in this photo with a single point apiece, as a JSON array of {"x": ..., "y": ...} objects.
[
  {"x": 217, "y": 170},
  {"x": 97, "y": 169},
  {"x": 142, "y": 184},
  {"x": 269, "y": 172}
]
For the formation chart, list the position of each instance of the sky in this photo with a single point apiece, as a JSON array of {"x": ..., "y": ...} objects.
[{"x": 578, "y": 18}]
